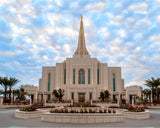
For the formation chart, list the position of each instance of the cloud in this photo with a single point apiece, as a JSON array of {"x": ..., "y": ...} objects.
[
  {"x": 118, "y": 20},
  {"x": 42, "y": 33},
  {"x": 10, "y": 53},
  {"x": 139, "y": 8},
  {"x": 96, "y": 7}
]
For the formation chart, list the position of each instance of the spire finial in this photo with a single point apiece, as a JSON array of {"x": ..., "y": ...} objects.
[{"x": 81, "y": 17}]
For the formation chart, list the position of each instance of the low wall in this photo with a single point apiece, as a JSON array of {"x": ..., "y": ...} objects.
[
  {"x": 137, "y": 115},
  {"x": 81, "y": 118},
  {"x": 29, "y": 115},
  {"x": 121, "y": 110}
]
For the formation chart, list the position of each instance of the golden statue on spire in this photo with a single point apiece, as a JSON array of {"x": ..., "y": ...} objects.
[{"x": 81, "y": 17}]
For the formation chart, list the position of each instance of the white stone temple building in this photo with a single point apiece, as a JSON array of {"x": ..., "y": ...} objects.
[{"x": 82, "y": 77}]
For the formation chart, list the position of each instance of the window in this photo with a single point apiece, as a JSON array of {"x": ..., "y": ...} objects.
[
  {"x": 49, "y": 97},
  {"x": 114, "y": 98},
  {"x": 72, "y": 96},
  {"x": 88, "y": 76},
  {"x": 81, "y": 76},
  {"x": 114, "y": 87},
  {"x": 64, "y": 76},
  {"x": 90, "y": 95},
  {"x": 97, "y": 76},
  {"x": 49, "y": 77},
  {"x": 73, "y": 76}
]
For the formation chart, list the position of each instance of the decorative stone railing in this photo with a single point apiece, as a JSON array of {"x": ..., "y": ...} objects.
[
  {"x": 137, "y": 115},
  {"x": 81, "y": 118},
  {"x": 29, "y": 115}
]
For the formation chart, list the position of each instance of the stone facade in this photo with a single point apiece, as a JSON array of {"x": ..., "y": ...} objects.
[
  {"x": 31, "y": 91},
  {"x": 82, "y": 77},
  {"x": 132, "y": 92}
]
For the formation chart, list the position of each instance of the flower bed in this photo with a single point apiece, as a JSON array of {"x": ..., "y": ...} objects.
[
  {"x": 28, "y": 108},
  {"x": 81, "y": 105},
  {"x": 29, "y": 114},
  {"x": 136, "y": 109},
  {"x": 82, "y": 118},
  {"x": 137, "y": 115},
  {"x": 82, "y": 110}
]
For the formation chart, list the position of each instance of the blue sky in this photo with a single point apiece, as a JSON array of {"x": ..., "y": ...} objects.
[{"x": 36, "y": 33}]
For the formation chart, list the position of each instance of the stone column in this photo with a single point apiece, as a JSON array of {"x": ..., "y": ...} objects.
[
  {"x": 132, "y": 101},
  {"x": 1, "y": 101},
  {"x": 86, "y": 75},
  {"x": 76, "y": 95},
  {"x": 118, "y": 100},
  {"x": 111, "y": 96},
  {"x": 30, "y": 100},
  {"x": 71, "y": 101},
  {"x": 12, "y": 98},
  {"x": 91, "y": 102},
  {"x": 44, "y": 99}
]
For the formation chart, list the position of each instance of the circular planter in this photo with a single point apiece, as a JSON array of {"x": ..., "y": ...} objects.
[
  {"x": 82, "y": 118},
  {"x": 29, "y": 114},
  {"x": 137, "y": 115}
]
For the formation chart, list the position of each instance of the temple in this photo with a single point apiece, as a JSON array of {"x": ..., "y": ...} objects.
[{"x": 82, "y": 77}]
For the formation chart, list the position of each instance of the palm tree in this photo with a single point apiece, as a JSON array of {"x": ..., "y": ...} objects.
[
  {"x": 4, "y": 83},
  {"x": 12, "y": 82},
  {"x": 20, "y": 94},
  {"x": 153, "y": 84},
  {"x": 146, "y": 94},
  {"x": 157, "y": 85},
  {"x": 104, "y": 95},
  {"x": 59, "y": 94}
]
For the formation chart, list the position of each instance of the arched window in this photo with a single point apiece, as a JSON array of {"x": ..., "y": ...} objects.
[{"x": 81, "y": 76}]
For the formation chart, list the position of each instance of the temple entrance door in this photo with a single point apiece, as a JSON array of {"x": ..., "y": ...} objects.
[{"x": 81, "y": 97}]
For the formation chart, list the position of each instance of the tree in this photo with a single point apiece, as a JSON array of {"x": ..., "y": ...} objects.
[
  {"x": 11, "y": 83},
  {"x": 146, "y": 94},
  {"x": 104, "y": 95},
  {"x": 101, "y": 96},
  {"x": 4, "y": 82},
  {"x": 59, "y": 94},
  {"x": 20, "y": 93},
  {"x": 153, "y": 84}
]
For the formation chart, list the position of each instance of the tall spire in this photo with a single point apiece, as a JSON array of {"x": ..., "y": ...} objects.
[{"x": 81, "y": 49}]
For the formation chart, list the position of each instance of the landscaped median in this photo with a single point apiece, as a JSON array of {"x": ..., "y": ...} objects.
[
  {"x": 82, "y": 115},
  {"x": 29, "y": 112},
  {"x": 82, "y": 118},
  {"x": 137, "y": 113}
]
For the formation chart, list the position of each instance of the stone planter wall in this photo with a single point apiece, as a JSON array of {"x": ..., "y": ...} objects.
[
  {"x": 29, "y": 115},
  {"x": 81, "y": 118},
  {"x": 121, "y": 110},
  {"x": 137, "y": 115}
]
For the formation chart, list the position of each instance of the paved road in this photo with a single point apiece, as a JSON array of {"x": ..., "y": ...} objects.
[{"x": 7, "y": 119}]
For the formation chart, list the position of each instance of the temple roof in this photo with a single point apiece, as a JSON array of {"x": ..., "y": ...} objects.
[{"x": 81, "y": 49}]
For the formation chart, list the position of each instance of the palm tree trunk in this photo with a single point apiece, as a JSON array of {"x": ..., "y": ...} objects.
[
  {"x": 5, "y": 95},
  {"x": 10, "y": 94},
  {"x": 157, "y": 95},
  {"x": 152, "y": 97}
]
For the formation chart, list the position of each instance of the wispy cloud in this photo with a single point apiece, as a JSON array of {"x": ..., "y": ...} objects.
[{"x": 41, "y": 33}]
